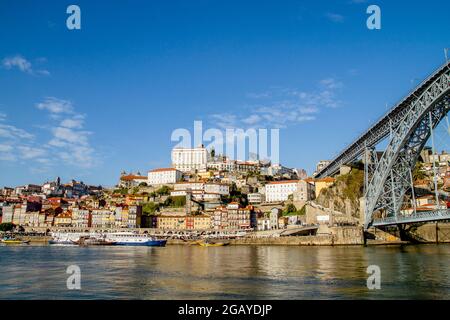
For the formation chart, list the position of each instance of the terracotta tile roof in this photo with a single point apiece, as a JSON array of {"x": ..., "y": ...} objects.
[{"x": 132, "y": 177}]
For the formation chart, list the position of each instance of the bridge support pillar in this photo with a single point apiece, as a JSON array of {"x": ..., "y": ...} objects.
[
  {"x": 402, "y": 232},
  {"x": 437, "y": 232}
]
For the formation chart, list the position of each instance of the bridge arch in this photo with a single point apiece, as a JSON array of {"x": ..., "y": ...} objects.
[{"x": 390, "y": 179}]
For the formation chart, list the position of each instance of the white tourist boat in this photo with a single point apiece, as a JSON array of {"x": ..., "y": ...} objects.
[
  {"x": 133, "y": 239},
  {"x": 65, "y": 238}
]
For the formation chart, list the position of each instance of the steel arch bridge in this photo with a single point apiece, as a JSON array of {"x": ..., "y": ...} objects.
[{"x": 408, "y": 126}]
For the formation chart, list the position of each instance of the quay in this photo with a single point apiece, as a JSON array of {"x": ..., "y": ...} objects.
[{"x": 302, "y": 236}]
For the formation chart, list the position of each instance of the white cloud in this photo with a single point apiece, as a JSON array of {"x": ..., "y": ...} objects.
[
  {"x": 18, "y": 62},
  {"x": 5, "y": 148},
  {"x": 67, "y": 135},
  {"x": 11, "y": 138},
  {"x": 22, "y": 64},
  {"x": 306, "y": 118},
  {"x": 43, "y": 72},
  {"x": 258, "y": 95},
  {"x": 31, "y": 152},
  {"x": 331, "y": 83},
  {"x": 308, "y": 110},
  {"x": 73, "y": 147},
  {"x": 55, "y": 105},
  {"x": 2, "y": 116},
  {"x": 254, "y": 118},
  {"x": 283, "y": 107},
  {"x": 73, "y": 123},
  {"x": 13, "y": 133},
  {"x": 335, "y": 17},
  {"x": 6, "y": 156},
  {"x": 224, "y": 120},
  {"x": 69, "y": 141}
]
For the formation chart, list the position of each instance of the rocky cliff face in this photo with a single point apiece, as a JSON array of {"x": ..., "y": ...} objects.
[{"x": 344, "y": 195}]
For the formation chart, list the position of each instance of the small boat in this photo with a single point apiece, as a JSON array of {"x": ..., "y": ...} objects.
[
  {"x": 8, "y": 240},
  {"x": 209, "y": 243}
]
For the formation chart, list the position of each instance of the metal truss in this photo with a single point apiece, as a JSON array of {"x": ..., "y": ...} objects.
[
  {"x": 391, "y": 179},
  {"x": 382, "y": 128}
]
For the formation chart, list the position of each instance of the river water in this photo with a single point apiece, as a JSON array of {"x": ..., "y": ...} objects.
[{"x": 232, "y": 272}]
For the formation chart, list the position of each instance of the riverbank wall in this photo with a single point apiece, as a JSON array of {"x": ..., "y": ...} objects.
[
  {"x": 336, "y": 236},
  {"x": 437, "y": 232}
]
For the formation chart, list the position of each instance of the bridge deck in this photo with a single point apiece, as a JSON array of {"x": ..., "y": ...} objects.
[{"x": 425, "y": 216}]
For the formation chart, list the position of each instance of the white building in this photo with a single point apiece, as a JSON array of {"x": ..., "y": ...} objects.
[
  {"x": 8, "y": 214},
  {"x": 281, "y": 190},
  {"x": 80, "y": 218},
  {"x": 164, "y": 176},
  {"x": 201, "y": 190},
  {"x": 206, "y": 187},
  {"x": 255, "y": 198},
  {"x": 190, "y": 159},
  {"x": 263, "y": 223},
  {"x": 277, "y": 170}
]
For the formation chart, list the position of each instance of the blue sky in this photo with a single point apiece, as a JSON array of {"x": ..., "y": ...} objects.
[{"x": 89, "y": 103}]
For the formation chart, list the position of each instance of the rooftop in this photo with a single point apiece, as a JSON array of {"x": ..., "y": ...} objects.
[
  {"x": 163, "y": 169},
  {"x": 132, "y": 177}
]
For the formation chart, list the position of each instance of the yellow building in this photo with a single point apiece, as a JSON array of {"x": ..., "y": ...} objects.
[
  {"x": 323, "y": 184},
  {"x": 205, "y": 175},
  {"x": 124, "y": 218},
  {"x": 63, "y": 219},
  {"x": 199, "y": 222},
  {"x": 173, "y": 222}
]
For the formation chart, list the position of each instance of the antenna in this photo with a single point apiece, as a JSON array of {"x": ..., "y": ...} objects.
[{"x": 446, "y": 54}]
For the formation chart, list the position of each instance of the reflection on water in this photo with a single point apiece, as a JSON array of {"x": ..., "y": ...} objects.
[{"x": 233, "y": 272}]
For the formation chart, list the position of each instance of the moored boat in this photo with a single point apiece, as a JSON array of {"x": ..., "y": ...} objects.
[
  {"x": 132, "y": 239},
  {"x": 11, "y": 240},
  {"x": 208, "y": 243},
  {"x": 64, "y": 238}
]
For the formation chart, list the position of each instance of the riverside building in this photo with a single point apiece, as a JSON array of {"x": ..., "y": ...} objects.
[{"x": 164, "y": 176}]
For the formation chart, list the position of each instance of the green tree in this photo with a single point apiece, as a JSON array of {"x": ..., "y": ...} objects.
[
  {"x": 176, "y": 202},
  {"x": 150, "y": 208},
  {"x": 418, "y": 172},
  {"x": 163, "y": 191},
  {"x": 122, "y": 191},
  {"x": 290, "y": 208},
  {"x": 302, "y": 211},
  {"x": 7, "y": 226}
]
